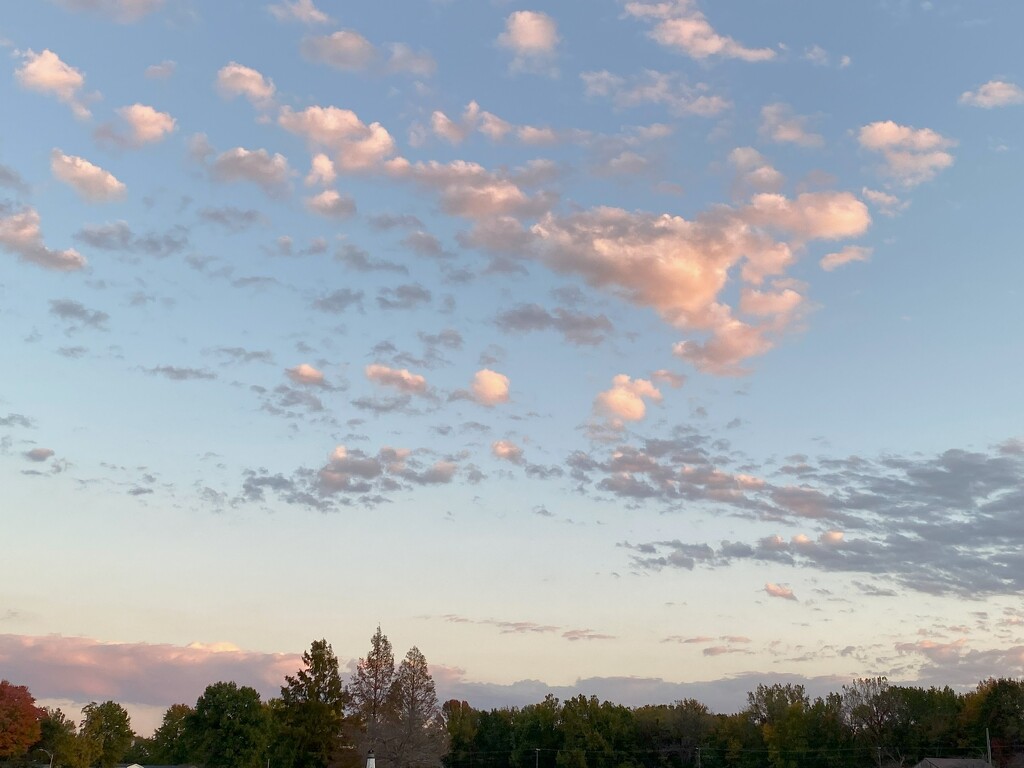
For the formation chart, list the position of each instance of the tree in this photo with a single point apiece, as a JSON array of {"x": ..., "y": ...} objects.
[
  {"x": 873, "y": 710},
  {"x": 414, "y": 729},
  {"x": 538, "y": 735},
  {"x": 109, "y": 727},
  {"x": 371, "y": 683},
  {"x": 312, "y": 709},
  {"x": 168, "y": 745},
  {"x": 460, "y": 722},
  {"x": 19, "y": 720},
  {"x": 56, "y": 735},
  {"x": 229, "y": 728}
]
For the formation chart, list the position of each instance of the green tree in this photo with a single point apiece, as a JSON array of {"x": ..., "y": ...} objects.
[
  {"x": 19, "y": 720},
  {"x": 368, "y": 691},
  {"x": 538, "y": 734},
  {"x": 169, "y": 746},
  {"x": 873, "y": 710},
  {"x": 229, "y": 728},
  {"x": 494, "y": 739},
  {"x": 311, "y": 712},
  {"x": 414, "y": 729},
  {"x": 109, "y": 727},
  {"x": 461, "y": 722},
  {"x": 56, "y": 735}
]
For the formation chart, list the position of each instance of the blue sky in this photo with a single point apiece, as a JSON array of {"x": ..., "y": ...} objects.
[{"x": 645, "y": 349}]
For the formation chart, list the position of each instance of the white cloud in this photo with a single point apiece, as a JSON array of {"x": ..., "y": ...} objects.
[
  {"x": 848, "y": 254},
  {"x": 46, "y": 73},
  {"x": 304, "y": 11},
  {"x": 331, "y": 204},
  {"x": 235, "y": 79},
  {"x": 397, "y": 378},
  {"x": 90, "y": 181},
  {"x": 781, "y": 125},
  {"x": 625, "y": 400},
  {"x": 994, "y": 93},
  {"x": 403, "y": 59},
  {"x": 680, "y": 25},
  {"x": 21, "y": 235},
  {"x": 912, "y": 155},
  {"x": 271, "y": 172},
  {"x": 490, "y": 387}
]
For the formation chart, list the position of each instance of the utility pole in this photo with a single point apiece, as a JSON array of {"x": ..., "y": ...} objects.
[
  {"x": 536, "y": 762},
  {"x": 988, "y": 747},
  {"x": 698, "y": 757}
]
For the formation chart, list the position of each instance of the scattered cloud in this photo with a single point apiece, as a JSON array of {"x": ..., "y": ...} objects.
[
  {"x": 121, "y": 11},
  {"x": 20, "y": 234},
  {"x": 118, "y": 236},
  {"x": 625, "y": 401},
  {"x": 78, "y": 315},
  {"x": 532, "y": 37},
  {"x": 668, "y": 89},
  {"x": 680, "y": 25},
  {"x": 777, "y": 590},
  {"x": 38, "y": 454},
  {"x": 994, "y": 93},
  {"x": 506, "y": 450},
  {"x": 91, "y": 182},
  {"x": 305, "y": 373},
  {"x": 490, "y": 387},
  {"x": 179, "y": 373},
  {"x": 234, "y": 79},
  {"x": 912, "y": 155},
  {"x": 848, "y": 254},
  {"x": 781, "y": 125},
  {"x": 355, "y": 146},
  {"x": 46, "y": 73},
  {"x": 397, "y": 378},
  {"x": 162, "y": 71},
  {"x": 331, "y": 204},
  {"x": 577, "y": 327},
  {"x": 304, "y": 11},
  {"x": 258, "y": 166}
]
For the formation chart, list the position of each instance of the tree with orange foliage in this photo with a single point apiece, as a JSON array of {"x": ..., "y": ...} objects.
[{"x": 19, "y": 720}]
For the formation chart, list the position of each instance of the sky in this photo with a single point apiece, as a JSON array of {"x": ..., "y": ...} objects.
[{"x": 643, "y": 349}]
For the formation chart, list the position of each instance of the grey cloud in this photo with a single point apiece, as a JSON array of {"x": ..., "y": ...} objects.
[
  {"x": 38, "y": 454},
  {"x": 425, "y": 244},
  {"x": 11, "y": 179},
  {"x": 118, "y": 236},
  {"x": 576, "y": 327},
  {"x": 176, "y": 373},
  {"x": 77, "y": 314},
  {"x": 232, "y": 218},
  {"x": 242, "y": 355},
  {"x": 359, "y": 260},
  {"x": 386, "y": 221},
  {"x": 338, "y": 301},
  {"x": 16, "y": 420},
  {"x": 407, "y": 296}
]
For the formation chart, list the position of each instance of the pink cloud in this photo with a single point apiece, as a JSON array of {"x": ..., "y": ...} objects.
[
  {"x": 507, "y": 451},
  {"x": 490, "y": 387},
  {"x": 398, "y": 378},
  {"x": 46, "y": 73},
  {"x": 912, "y": 155},
  {"x": 90, "y": 181},
  {"x": 355, "y": 145},
  {"x": 83, "y": 669},
  {"x": 994, "y": 93},
  {"x": 234, "y": 79},
  {"x": 777, "y": 590},
  {"x": 678, "y": 24},
  {"x": 306, "y": 374},
  {"x": 847, "y": 255},
  {"x": 625, "y": 401},
  {"x": 21, "y": 234}
]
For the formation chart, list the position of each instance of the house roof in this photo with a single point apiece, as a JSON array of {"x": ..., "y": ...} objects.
[{"x": 952, "y": 762}]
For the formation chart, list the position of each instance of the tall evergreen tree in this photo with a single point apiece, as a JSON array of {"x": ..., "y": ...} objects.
[{"x": 311, "y": 713}]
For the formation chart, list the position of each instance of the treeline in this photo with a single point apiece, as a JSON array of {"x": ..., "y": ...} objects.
[{"x": 319, "y": 722}]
